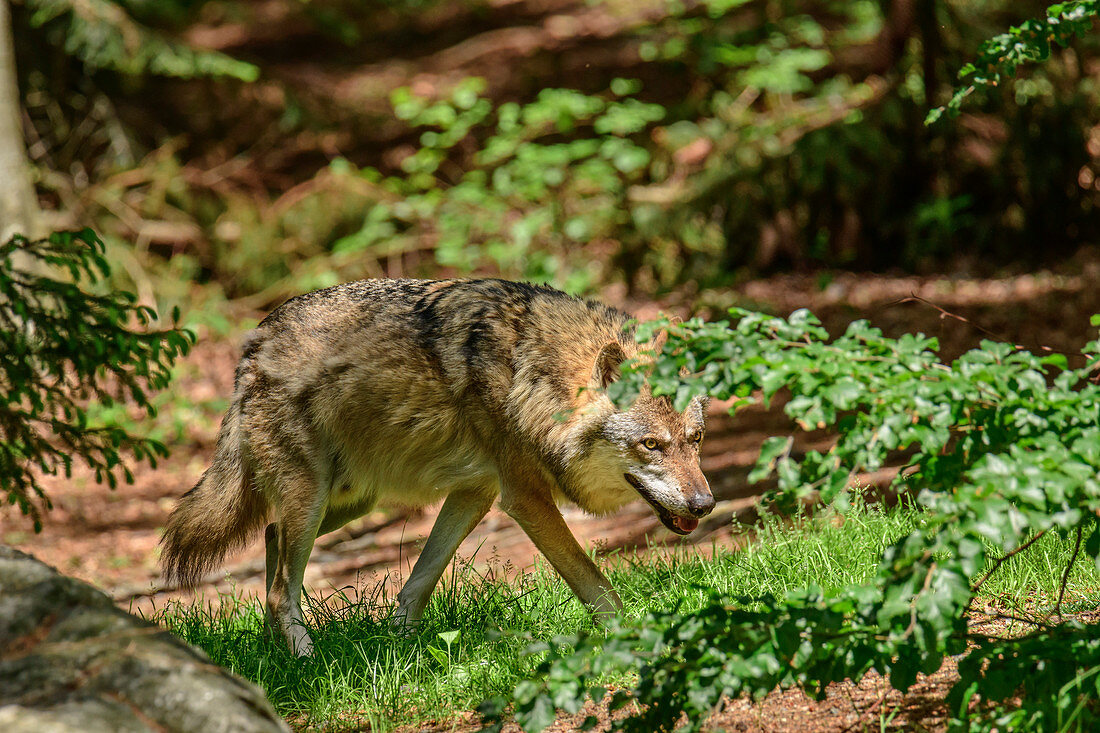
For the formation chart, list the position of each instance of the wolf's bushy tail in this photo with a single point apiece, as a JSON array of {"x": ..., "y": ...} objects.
[{"x": 221, "y": 513}]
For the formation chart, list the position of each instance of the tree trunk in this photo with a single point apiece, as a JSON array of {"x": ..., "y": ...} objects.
[{"x": 18, "y": 203}]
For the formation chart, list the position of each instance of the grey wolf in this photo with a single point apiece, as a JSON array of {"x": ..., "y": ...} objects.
[{"x": 412, "y": 391}]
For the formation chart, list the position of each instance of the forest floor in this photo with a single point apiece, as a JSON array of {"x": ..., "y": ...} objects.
[{"x": 109, "y": 538}]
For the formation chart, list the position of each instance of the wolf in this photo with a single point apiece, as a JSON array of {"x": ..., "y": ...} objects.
[{"x": 411, "y": 391}]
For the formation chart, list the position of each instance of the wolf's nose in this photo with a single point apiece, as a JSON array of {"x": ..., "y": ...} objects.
[{"x": 701, "y": 504}]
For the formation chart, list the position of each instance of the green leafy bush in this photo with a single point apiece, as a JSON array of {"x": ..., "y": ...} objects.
[
  {"x": 1030, "y": 42},
  {"x": 767, "y": 135},
  {"x": 63, "y": 344},
  {"x": 999, "y": 448},
  {"x": 789, "y": 150},
  {"x": 102, "y": 34},
  {"x": 547, "y": 178}
]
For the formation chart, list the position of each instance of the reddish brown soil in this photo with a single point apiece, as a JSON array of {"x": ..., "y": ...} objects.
[{"x": 109, "y": 537}]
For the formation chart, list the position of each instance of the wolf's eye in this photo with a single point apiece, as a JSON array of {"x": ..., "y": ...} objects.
[
  {"x": 696, "y": 438},
  {"x": 651, "y": 443}
]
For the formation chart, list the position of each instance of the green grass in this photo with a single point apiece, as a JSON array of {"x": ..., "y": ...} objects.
[{"x": 472, "y": 640}]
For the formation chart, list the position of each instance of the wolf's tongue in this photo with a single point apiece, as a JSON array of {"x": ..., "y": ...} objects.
[{"x": 686, "y": 524}]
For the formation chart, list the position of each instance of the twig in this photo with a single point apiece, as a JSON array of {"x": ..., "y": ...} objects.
[
  {"x": 944, "y": 313},
  {"x": 1000, "y": 561},
  {"x": 1000, "y": 615},
  {"x": 913, "y": 603},
  {"x": 870, "y": 708},
  {"x": 1065, "y": 575}
]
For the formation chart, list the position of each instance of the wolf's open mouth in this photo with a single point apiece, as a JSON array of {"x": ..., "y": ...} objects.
[{"x": 679, "y": 525}]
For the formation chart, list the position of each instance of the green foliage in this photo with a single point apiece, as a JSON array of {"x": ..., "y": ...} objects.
[
  {"x": 782, "y": 154},
  {"x": 732, "y": 135},
  {"x": 999, "y": 448},
  {"x": 103, "y": 35},
  {"x": 1028, "y": 43},
  {"x": 547, "y": 177},
  {"x": 62, "y": 346}
]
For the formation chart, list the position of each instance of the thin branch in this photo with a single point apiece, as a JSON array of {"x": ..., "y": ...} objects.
[
  {"x": 944, "y": 313},
  {"x": 1065, "y": 575},
  {"x": 913, "y": 602},
  {"x": 997, "y": 615},
  {"x": 1000, "y": 561},
  {"x": 861, "y": 713}
]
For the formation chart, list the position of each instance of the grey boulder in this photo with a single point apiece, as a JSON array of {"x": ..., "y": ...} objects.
[{"x": 71, "y": 661}]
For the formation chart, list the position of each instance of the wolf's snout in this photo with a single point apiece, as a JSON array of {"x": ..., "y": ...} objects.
[{"x": 700, "y": 504}]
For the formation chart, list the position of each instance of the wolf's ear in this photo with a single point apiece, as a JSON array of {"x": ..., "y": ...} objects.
[
  {"x": 606, "y": 368},
  {"x": 698, "y": 406}
]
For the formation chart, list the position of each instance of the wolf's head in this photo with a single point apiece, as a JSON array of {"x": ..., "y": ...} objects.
[{"x": 649, "y": 450}]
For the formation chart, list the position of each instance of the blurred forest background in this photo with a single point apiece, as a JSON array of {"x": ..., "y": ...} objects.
[{"x": 252, "y": 150}]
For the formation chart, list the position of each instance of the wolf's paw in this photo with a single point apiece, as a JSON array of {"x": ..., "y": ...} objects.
[
  {"x": 298, "y": 639},
  {"x": 403, "y": 624}
]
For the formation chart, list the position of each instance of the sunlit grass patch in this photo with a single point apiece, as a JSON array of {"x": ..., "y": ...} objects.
[{"x": 472, "y": 642}]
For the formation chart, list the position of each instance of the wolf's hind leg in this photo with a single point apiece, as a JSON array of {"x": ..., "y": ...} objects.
[
  {"x": 271, "y": 563},
  {"x": 271, "y": 548},
  {"x": 295, "y": 532},
  {"x": 460, "y": 513}
]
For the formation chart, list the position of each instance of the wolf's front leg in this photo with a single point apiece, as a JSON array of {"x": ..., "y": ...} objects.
[
  {"x": 457, "y": 518},
  {"x": 531, "y": 504}
]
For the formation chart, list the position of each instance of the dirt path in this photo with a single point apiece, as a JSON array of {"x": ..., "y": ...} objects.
[{"x": 109, "y": 537}]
